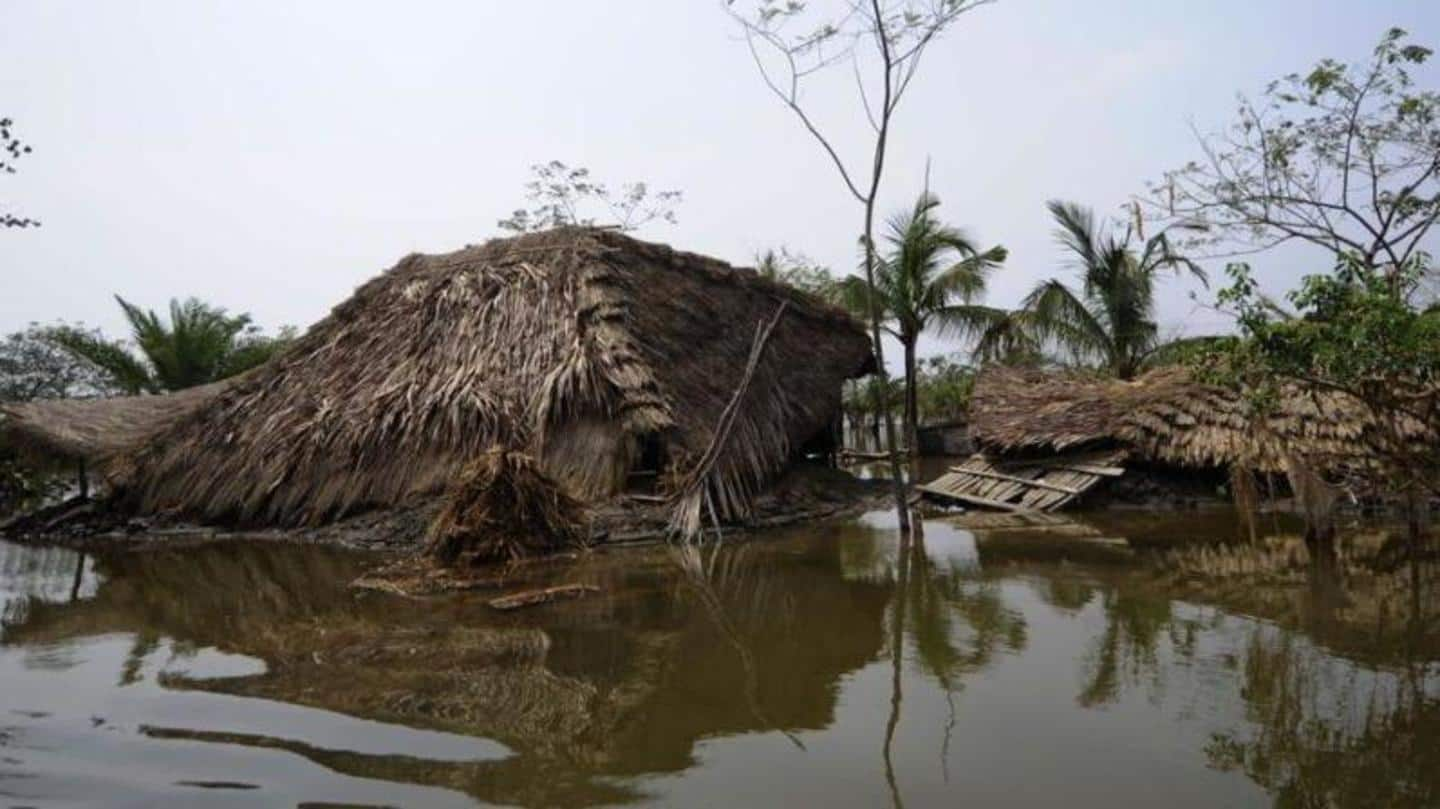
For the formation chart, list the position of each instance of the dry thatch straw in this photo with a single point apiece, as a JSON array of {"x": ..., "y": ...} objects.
[
  {"x": 701, "y": 488},
  {"x": 578, "y": 346},
  {"x": 502, "y": 509},
  {"x": 1166, "y": 416},
  {"x": 97, "y": 430}
]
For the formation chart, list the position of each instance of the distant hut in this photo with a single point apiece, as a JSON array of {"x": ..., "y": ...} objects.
[
  {"x": 609, "y": 360},
  {"x": 1047, "y": 437}
]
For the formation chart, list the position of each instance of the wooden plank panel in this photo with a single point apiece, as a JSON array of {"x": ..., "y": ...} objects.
[
  {"x": 979, "y": 501},
  {"x": 1038, "y": 481}
]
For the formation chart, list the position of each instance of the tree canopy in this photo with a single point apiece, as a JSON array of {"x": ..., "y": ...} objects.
[
  {"x": 201, "y": 343},
  {"x": 1342, "y": 156}
]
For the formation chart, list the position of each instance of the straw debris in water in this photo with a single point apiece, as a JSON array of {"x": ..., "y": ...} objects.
[{"x": 503, "y": 508}]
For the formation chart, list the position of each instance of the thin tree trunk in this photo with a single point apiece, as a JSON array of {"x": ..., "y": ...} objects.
[
  {"x": 902, "y": 509},
  {"x": 897, "y": 479},
  {"x": 912, "y": 404}
]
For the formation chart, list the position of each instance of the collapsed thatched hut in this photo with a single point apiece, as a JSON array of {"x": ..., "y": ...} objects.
[
  {"x": 1165, "y": 417},
  {"x": 609, "y": 360},
  {"x": 1042, "y": 425}
]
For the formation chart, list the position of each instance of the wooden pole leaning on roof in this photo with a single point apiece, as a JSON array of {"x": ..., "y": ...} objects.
[{"x": 694, "y": 497}]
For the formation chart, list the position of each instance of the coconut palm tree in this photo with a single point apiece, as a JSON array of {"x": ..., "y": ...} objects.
[
  {"x": 1110, "y": 318},
  {"x": 929, "y": 275},
  {"x": 201, "y": 344}
]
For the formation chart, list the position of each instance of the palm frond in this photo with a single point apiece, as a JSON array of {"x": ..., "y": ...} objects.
[
  {"x": 1077, "y": 232},
  {"x": 1179, "y": 350},
  {"x": 1056, "y": 314},
  {"x": 967, "y": 278},
  {"x": 1160, "y": 253},
  {"x": 125, "y": 371},
  {"x": 1008, "y": 340}
]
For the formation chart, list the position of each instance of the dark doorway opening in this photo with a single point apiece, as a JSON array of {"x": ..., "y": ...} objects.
[{"x": 650, "y": 463}]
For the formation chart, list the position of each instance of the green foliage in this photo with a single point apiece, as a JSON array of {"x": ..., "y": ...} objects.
[
  {"x": 11, "y": 150},
  {"x": 928, "y": 274},
  {"x": 560, "y": 195},
  {"x": 200, "y": 344},
  {"x": 1344, "y": 156},
  {"x": 943, "y": 388},
  {"x": 870, "y": 397},
  {"x": 1356, "y": 333},
  {"x": 1109, "y": 319}
]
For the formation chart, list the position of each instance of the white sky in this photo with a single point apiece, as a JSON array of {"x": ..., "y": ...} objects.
[{"x": 271, "y": 156}]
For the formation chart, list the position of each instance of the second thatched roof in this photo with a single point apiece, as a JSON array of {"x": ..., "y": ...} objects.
[{"x": 1167, "y": 417}]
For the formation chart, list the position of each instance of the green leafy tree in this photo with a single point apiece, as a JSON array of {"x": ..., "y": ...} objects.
[
  {"x": 1343, "y": 157},
  {"x": 200, "y": 344},
  {"x": 943, "y": 388},
  {"x": 1354, "y": 333},
  {"x": 867, "y": 400},
  {"x": 11, "y": 150},
  {"x": 929, "y": 276},
  {"x": 1109, "y": 319}
]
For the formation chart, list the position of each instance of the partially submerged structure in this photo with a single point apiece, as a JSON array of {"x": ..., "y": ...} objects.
[
  {"x": 611, "y": 361},
  {"x": 1051, "y": 436}
]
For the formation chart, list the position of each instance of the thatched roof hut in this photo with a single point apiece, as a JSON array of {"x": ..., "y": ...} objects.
[
  {"x": 1165, "y": 417},
  {"x": 592, "y": 351}
]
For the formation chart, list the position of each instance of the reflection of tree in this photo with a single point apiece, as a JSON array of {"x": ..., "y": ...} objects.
[
  {"x": 958, "y": 622},
  {"x": 954, "y": 622},
  {"x": 1128, "y": 650},
  {"x": 1067, "y": 593},
  {"x": 1367, "y": 740}
]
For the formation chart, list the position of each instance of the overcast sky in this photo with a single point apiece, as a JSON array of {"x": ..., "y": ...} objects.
[{"x": 271, "y": 156}]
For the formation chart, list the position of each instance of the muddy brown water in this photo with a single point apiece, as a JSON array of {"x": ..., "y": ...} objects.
[{"x": 828, "y": 665}]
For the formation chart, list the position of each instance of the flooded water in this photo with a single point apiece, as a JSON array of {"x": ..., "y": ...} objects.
[{"x": 832, "y": 666}]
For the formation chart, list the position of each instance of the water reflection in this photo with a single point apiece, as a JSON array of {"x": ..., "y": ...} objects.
[{"x": 834, "y": 663}]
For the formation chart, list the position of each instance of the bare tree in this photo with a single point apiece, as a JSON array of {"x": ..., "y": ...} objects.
[
  {"x": 563, "y": 195},
  {"x": 11, "y": 150},
  {"x": 883, "y": 42},
  {"x": 1345, "y": 157}
]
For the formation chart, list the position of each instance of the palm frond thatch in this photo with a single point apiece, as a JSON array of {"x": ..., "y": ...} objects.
[
  {"x": 98, "y": 430},
  {"x": 1167, "y": 417},
  {"x": 575, "y": 346}
]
